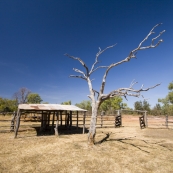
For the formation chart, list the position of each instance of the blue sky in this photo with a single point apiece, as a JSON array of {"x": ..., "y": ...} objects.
[{"x": 35, "y": 35}]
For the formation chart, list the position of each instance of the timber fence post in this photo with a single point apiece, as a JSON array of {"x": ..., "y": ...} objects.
[
  {"x": 166, "y": 122},
  {"x": 146, "y": 120}
]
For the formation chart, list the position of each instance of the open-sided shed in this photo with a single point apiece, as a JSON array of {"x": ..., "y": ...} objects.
[{"x": 45, "y": 110}]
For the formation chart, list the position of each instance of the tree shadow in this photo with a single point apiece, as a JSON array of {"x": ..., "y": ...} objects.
[{"x": 122, "y": 140}]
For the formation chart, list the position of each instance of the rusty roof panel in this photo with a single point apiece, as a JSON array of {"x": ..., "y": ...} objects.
[{"x": 50, "y": 107}]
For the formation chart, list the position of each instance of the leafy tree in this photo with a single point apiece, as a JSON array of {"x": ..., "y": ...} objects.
[
  {"x": 98, "y": 96},
  {"x": 7, "y": 105},
  {"x": 66, "y": 103},
  {"x": 34, "y": 98},
  {"x": 145, "y": 106},
  {"x": 170, "y": 94},
  {"x": 85, "y": 104},
  {"x": 157, "y": 109},
  {"x": 167, "y": 102},
  {"x": 138, "y": 105},
  {"x": 113, "y": 103}
]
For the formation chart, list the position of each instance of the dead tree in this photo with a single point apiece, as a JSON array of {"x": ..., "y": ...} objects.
[{"x": 130, "y": 91}]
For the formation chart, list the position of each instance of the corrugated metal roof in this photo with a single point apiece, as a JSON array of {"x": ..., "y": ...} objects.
[{"x": 49, "y": 107}]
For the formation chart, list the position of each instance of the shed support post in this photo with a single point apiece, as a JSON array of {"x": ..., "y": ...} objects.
[
  {"x": 84, "y": 122},
  {"x": 66, "y": 119},
  {"x": 70, "y": 118},
  {"x": 77, "y": 120},
  {"x": 57, "y": 122},
  {"x": 41, "y": 128},
  {"x": 17, "y": 122},
  {"x": 61, "y": 117},
  {"x": 53, "y": 119}
]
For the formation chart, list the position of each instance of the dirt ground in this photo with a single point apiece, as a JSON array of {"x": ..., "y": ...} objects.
[{"x": 124, "y": 149}]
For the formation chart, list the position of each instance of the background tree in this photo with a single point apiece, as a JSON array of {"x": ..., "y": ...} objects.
[
  {"x": 138, "y": 105},
  {"x": 97, "y": 97},
  {"x": 145, "y": 106},
  {"x": 85, "y": 104},
  {"x": 167, "y": 102},
  {"x": 34, "y": 98},
  {"x": 7, "y": 105},
  {"x": 111, "y": 104},
  {"x": 66, "y": 103},
  {"x": 21, "y": 95},
  {"x": 157, "y": 109}
]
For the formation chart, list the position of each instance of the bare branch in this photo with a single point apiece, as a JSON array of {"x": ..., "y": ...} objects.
[
  {"x": 78, "y": 77},
  {"x": 79, "y": 71},
  {"x": 126, "y": 92},
  {"x": 132, "y": 83},
  {"x": 133, "y": 53},
  {"x": 82, "y": 62},
  {"x": 97, "y": 55},
  {"x": 98, "y": 68}
]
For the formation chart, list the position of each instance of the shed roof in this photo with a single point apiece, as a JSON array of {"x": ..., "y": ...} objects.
[{"x": 49, "y": 107}]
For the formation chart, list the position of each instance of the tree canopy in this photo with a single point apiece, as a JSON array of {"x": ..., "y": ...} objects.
[
  {"x": 113, "y": 103},
  {"x": 7, "y": 105},
  {"x": 34, "y": 98},
  {"x": 167, "y": 102},
  {"x": 85, "y": 104},
  {"x": 66, "y": 103}
]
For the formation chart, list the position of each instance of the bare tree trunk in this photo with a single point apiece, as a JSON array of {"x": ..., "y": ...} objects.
[{"x": 92, "y": 129}]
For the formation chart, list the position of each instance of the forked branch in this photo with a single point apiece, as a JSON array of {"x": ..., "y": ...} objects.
[
  {"x": 82, "y": 62},
  {"x": 97, "y": 56},
  {"x": 133, "y": 53}
]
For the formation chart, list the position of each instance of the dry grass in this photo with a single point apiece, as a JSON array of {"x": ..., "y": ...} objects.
[{"x": 128, "y": 149}]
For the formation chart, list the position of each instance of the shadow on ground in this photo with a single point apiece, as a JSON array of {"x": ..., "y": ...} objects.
[{"x": 61, "y": 130}]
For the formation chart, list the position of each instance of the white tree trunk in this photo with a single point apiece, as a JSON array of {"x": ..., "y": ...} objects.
[{"x": 92, "y": 129}]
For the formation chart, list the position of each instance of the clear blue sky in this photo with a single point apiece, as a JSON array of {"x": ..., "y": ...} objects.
[{"x": 35, "y": 34}]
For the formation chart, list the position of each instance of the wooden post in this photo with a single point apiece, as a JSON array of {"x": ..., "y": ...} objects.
[
  {"x": 70, "y": 118},
  {"x": 48, "y": 121},
  {"x": 41, "y": 128},
  {"x": 17, "y": 123},
  {"x": 101, "y": 119},
  {"x": 53, "y": 119},
  {"x": 84, "y": 122},
  {"x": 118, "y": 113},
  {"x": 66, "y": 117},
  {"x": 13, "y": 121},
  {"x": 61, "y": 117},
  {"x": 146, "y": 120},
  {"x": 166, "y": 122},
  {"x": 67, "y": 120},
  {"x": 57, "y": 122},
  {"x": 77, "y": 120}
]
